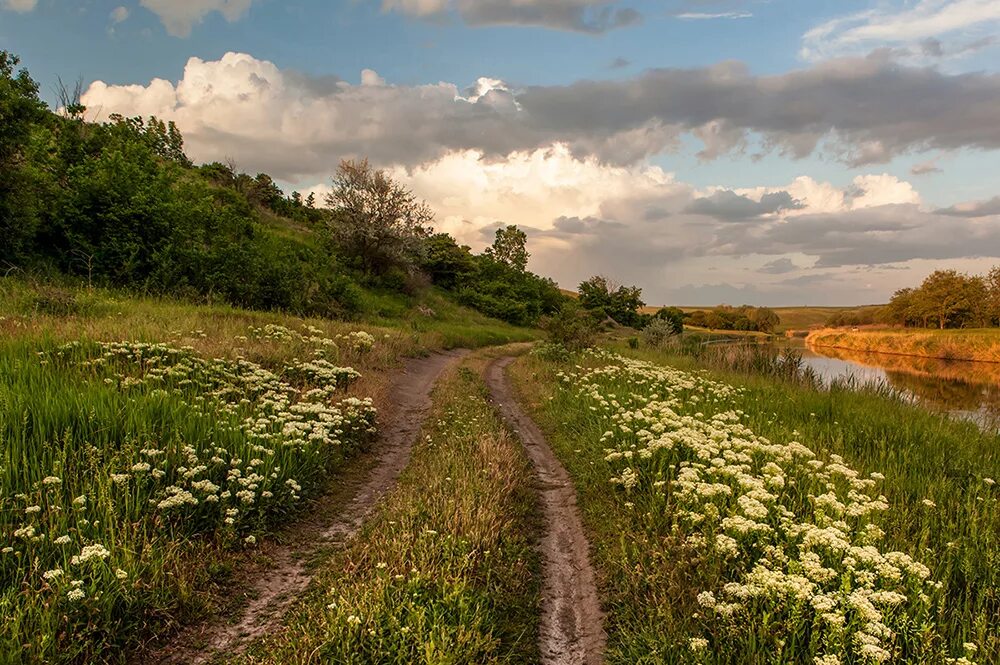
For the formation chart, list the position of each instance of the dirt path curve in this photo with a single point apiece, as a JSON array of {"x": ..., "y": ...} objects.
[
  {"x": 571, "y": 631},
  {"x": 276, "y": 588}
]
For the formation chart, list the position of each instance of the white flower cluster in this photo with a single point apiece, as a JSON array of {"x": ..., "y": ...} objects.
[{"x": 797, "y": 535}]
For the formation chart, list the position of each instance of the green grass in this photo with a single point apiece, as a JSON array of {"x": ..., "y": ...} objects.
[
  {"x": 444, "y": 572},
  {"x": 100, "y": 409},
  {"x": 968, "y": 344},
  {"x": 654, "y": 561}
]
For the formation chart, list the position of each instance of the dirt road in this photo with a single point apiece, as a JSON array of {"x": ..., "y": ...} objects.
[
  {"x": 274, "y": 589},
  {"x": 571, "y": 631}
]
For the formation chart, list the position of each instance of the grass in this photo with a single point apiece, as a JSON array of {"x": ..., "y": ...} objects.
[
  {"x": 131, "y": 473},
  {"x": 690, "y": 574},
  {"x": 444, "y": 572},
  {"x": 973, "y": 344}
]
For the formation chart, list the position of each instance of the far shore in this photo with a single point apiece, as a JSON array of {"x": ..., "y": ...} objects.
[{"x": 979, "y": 345}]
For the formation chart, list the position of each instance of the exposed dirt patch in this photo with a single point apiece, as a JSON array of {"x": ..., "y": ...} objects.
[
  {"x": 571, "y": 631},
  {"x": 268, "y": 592}
]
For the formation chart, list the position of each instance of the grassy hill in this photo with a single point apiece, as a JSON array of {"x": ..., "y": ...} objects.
[{"x": 792, "y": 318}]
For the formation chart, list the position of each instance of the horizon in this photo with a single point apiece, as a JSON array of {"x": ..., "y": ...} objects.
[{"x": 704, "y": 150}]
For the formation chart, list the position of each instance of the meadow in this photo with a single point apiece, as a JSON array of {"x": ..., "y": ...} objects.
[
  {"x": 981, "y": 344},
  {"x": 748, "y": 519},
  {"x": 149, "y": 445}
]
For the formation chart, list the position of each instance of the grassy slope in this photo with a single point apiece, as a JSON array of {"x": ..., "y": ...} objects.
[
  {"x": 793, "y": 318},
  {"x": 982, "y": 344},
  {"x": 649, "y": 580},
  {"x": 444, "y": 571}
]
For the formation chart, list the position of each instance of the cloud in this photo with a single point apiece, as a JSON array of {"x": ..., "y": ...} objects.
[
  {"x": 779, "y": 267},
  {"x": 704, "y": 16},
  {"x": 619, "y": 63},
  {"x": 973, "y": 209},
  {"x": 587, "y": 16},
  {"x": 294, "y": 125},
  {"x": 180, "y": 16},
  {"x": 119, "y": 14},
  {"x": 925, "y": 167},
  {"x": 728, "y": 205},
  {"x": 19, "y": 6},
  {"x": 915, "y": 28}
]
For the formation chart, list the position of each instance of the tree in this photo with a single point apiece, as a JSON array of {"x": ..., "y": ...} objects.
[
  {"x": 20, "y": 112},
  {"x": 445, "y": 261},
  {"x": 510, "y": 248},
  {"x": 993, "y": 296},
  {"x": 673, "y": 316},
  {"x": 311, "y": 201},
  {"x": 763, "y": 319},
  {"x": 621, "y": 303},
  {"x": 375, "y": 221},
  {"x": 952, "y": 299}
]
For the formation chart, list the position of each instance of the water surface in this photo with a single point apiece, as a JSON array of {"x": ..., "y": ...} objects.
[{"x": 963, "y": 388}]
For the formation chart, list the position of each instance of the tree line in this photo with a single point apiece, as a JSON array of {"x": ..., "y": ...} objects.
[
  {"x": 947, "y": 299},
  {"x": 119, "y": 203}
]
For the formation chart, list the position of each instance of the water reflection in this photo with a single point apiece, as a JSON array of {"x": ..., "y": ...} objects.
[{"x": 963, "y": 388}]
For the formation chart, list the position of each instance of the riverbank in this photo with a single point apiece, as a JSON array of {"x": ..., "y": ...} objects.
[{"x": 982, "y": 345}]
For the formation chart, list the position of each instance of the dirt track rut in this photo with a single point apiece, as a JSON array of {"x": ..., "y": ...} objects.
[
  {"x": 273, "y": 591},
  {"x": 572, "y": 630}
]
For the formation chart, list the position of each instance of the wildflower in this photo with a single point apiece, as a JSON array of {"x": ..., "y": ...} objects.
[
  {"x": 62, "y": 540},
  {"x": 121, "y": 574},
  {"x": 90, "y": 552},
  {"x": 354, "y": 620},
  {"x": 929, "y": 503},
  {"x": 76, "y": 594},
  {"x": 51, "y": 480},
  {"x": 32, "y": 510},
  {"x": 53, "y": 574},
  {"x": 698, "y": 644},
  {"x": 250, "y": 540}
]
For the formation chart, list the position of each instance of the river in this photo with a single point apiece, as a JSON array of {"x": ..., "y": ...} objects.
[{"x": 965, "y": 389}]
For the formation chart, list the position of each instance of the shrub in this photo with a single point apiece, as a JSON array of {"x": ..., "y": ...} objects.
[
  {"x": 659, "y": 331},
  {"x": 572, "y": 327}
]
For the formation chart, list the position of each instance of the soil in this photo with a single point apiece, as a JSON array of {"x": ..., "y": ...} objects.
[
  {"x": 269, "y": 591},
  {"x": 571, "y": 631}
]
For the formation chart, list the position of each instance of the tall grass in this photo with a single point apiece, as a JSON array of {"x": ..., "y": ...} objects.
[
  {"x": 755, "y": 520},
  {"x": 121, "y": 461},
  {"x": 981, "y": 345},
  {"x": 444, "y": 572}
]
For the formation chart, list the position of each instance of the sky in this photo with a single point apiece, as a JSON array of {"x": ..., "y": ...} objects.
[{"x": 768, "y": 152}]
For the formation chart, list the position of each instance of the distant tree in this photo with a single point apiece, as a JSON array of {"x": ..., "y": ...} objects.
[
  {"x": 673, "y": 316},
  {"x": 764, "y": 319},
  {"x": 510, "y": 248},
  {"x": 951, "y": 299},
  {"x": 375, "y": 221},
  {"x": 992, "y": 282},
  {"x": 311, "y": 201},
  {"x": 296, "y": 199},
  {"x": 621, "y": 303}
]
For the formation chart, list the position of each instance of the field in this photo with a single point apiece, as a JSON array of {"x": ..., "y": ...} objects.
[
  {"x": 752, "y": 520},
  {"x": 982, "y": 344},
  {"x": 149, "y": 445}
]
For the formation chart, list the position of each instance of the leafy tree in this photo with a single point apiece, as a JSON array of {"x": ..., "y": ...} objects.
[
  {"x": 571, "y": 326},
  {"x": 952, "y": 299},
  {"x": 510, "y": 248},
  {"x": 20, "y": 112},
  {"x": 673, "y": 316},
  {"x": 375, "y": 220},
  {"x": 621, "y": 303},
  {"x": 446, "y": 262}
]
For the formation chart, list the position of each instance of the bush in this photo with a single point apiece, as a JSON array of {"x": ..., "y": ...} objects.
[
  {"x": 659, "y": 331},
  {"x": 572, "y": 327}
]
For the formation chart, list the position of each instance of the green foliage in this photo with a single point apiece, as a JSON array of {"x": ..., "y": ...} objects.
[
  {"x": 376, "y": 222},
  {"x": 445, "y": 262},
  {"x": 745, "y": 318},
  {"x": 571, "y": 327},
  {"x": 948, "y": 299},
  {"x": 20, "y": 111},
  {"x": 621, "y": 303},
  {"x": 508, "y": 294},
  {"x": 510, "y": 248},
  {"x": 673, "y": 316},
  {"x": 660, "y": 330}
]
